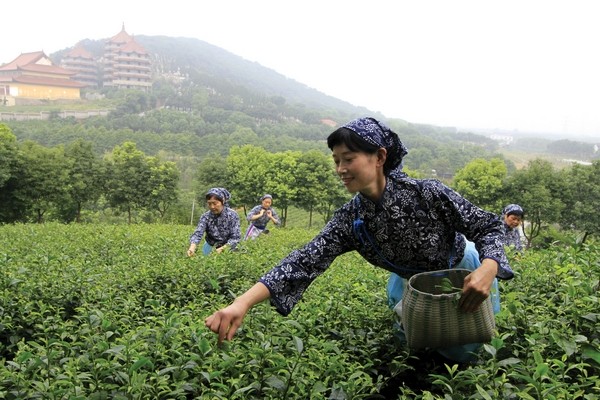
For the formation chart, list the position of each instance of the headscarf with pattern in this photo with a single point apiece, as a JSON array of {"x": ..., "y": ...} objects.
[
  {"x": 378, "y": 134},
  {"x": 266, "y": 196},
  {"x": 513, "y": 209},
  {"x": 220, "y": 193}
]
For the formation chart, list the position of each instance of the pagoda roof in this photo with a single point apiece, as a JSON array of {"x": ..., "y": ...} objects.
[
  {"x": 121, "y": 37},
  {"x": 80, "y": 52},
  {"x": 133, "y": 47}
]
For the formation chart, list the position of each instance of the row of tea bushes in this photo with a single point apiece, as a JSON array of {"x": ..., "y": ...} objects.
[{"x": 116, "y": 312}]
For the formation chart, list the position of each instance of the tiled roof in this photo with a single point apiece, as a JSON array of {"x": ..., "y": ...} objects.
[
  {"x": 133, "y": 47},
  {"x": 23, "y": 59},
  {"x": 27, "y": 62},
  {"x": 49, "y": 69},
  {"x": 121, "y": 37},
  {"x": 80, "y": 52},
  {"x": 44, "y": 81}
]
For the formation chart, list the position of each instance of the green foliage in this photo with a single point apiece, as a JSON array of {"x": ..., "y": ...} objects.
[
  {"x": 571, "y": 148},
  {"x": 163, "y": 181},
  {"x": 553, "y": 236},
  {"x": 481, "y": 181},
  {"x": 41, "y": 180},
  {"x": 317, "y": 184},
  {"x": 304, "y": 180},
  {"x": 281, "y": 179},
  {"x": 118, "y": 313},
  {"x": 87, "y": 174},
  {"x": 538, "y": 189},
  {"x": 8, "y": 149},
  {"x": 139, "y": 182},
  {"x": 247, "y": 169},
  {"x": 129, "y": 173},
  {"x": 550, "y": 325},
  {"x": 581, "y": 198}
]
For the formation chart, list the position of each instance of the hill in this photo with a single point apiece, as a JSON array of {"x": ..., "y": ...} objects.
[
  {"x": 221, "y": 93},
  {"x": 197, "y": 59}
]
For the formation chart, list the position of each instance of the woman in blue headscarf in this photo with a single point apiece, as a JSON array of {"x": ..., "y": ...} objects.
[
  {"x": 260, "y": 216},
  {"x": 406, "y": 226},
  {"x": 512, "y": 216},
  {"x": 220, "y": 223}
]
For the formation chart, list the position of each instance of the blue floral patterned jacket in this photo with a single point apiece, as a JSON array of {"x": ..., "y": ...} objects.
[
  {"x": 220, "y": 229},
  {"x": 417, "y": 226}
]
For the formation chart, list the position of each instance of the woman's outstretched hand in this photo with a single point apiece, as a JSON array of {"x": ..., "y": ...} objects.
[
  {"x": 226, "y": 321},
  {"x": 478, "y": 285}
]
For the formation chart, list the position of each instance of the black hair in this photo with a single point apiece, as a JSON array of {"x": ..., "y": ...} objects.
[
  {"x": 211, "y": 195},
  {"x": 356, "y": 143},
  {"x": 352, "y": 141}
]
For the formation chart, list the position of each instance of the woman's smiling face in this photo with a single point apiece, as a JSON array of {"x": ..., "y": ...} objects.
[{"x": 358, "y": 170}]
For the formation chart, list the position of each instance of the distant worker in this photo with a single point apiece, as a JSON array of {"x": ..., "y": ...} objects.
[
  {"x": 512, "y": 216},
  {"x": 220, "y": 223},
  {"x": 260, "y": 216}
]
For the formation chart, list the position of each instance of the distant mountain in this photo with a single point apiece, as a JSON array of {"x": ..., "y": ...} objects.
[
  {"x": 203, "y": 62},
  {"x": 183, "y": 53},
  {"x": 191, "y": 56}
]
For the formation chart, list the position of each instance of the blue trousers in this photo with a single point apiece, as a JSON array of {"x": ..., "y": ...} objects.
[
  {"x": 470, "y": 261},
  {"x": 206, "y": 249}
]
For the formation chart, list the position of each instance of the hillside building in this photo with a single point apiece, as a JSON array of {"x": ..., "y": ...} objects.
[
  {"x": 84, "y": 64},
  {"x": 126, "y": 63},
  {"x": 32, "y": 77}
]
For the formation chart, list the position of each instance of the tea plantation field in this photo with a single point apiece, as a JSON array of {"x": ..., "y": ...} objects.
[{"x": 117, "y": 312}]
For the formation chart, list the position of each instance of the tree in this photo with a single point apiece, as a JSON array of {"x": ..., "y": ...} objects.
[
  {"x": 86, "y": 176},
  {"x": 134, "y": 102},
  {"x": 247, "y": 169},
  {"x": 128, "y": 185},
  {"x": 314, "y": 179},
  {"x": 42, "y": 179},
  {"x": 281, "y": 180},
  {"x": 481, "y": 181},
  {"x": 10, "y": 210},
  {"x": 538, "y": 189},
  {"x": 164, "y": 178},
  {"x": 211, "y": 172},
  {"x": 8, "y": 153},
  {"x": 582, "y": 199},
  {"x": 333, "y": 198}
]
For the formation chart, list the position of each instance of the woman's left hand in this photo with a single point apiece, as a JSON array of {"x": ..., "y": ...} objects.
[{"x": 478, "y": 285}]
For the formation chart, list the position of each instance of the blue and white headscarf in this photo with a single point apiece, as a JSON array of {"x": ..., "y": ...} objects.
[
  {"x": 513, "y": 209},
  {"x": 266, "y": 196},
  {"x": 378, "y": 134},
  {"x": 220, "y": 193}
]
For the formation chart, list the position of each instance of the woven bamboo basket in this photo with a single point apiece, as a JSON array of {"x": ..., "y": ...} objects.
[{"x": 431, "y": 316}]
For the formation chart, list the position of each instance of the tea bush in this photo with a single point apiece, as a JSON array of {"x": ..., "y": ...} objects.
[{"x": 116, "y": 312}]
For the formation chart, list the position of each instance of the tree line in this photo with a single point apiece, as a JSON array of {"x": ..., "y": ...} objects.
[
  {"x": 60, "y": 183},
  {"x": 40, "y": 183}
]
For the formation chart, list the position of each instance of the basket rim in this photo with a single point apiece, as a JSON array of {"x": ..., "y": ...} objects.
[{"x": 441, "y": 295}]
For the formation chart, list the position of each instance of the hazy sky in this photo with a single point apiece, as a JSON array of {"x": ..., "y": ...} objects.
[{"x": 524, "y": 65}]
